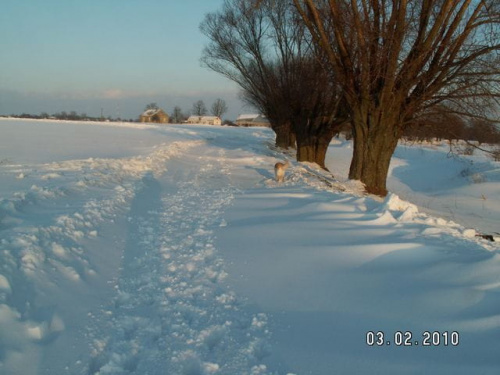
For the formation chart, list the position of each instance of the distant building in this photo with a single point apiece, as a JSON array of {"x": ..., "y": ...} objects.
[
  {"x": 253, "y": 120},
  {"x": 206, "y": 120},
  {"x": 154, "y": 115}
]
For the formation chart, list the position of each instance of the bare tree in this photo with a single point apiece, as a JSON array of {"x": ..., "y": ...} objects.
[
  {"x": 303, "y": 98},
  {"x": 152, "y": 106},
  {"x": 199, "y": 108},
  {"x": 177, "y": 115},
  {"x": 237, "y": 34},
  {"x": 219, "y": 108},
  {"x": 396, "y": 59},
  {"x": 267, "y": 52}
]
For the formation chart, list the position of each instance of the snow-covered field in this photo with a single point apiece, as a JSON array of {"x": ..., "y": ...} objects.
[{"x": 141, "y": 249}]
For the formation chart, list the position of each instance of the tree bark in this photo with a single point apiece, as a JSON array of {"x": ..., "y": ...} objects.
[
  {"x": 285, "y": 137},
  {"x": 313, "y": 142},
  {"x": 358, "y": 136},
  {"x": 313, "y": 150},
  {"x": 375, "y": 139}
]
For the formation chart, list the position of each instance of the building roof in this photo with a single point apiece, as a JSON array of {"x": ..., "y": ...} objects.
[
  {"x": 247, "y": 117},
  {"x": 151, "y": 112},
  {"x": 252, "y": 118}
]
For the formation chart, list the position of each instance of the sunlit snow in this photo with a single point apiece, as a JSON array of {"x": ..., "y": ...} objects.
[{"x": 143, "y": 249}]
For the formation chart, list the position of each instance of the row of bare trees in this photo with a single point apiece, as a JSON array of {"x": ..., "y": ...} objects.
[
  {"x": 218, "y": 108},
  {"x": 452, "y": 127},
  {"x": 382, "y": 66}
]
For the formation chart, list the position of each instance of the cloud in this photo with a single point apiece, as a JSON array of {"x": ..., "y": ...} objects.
[{"x": 114, "y": 94}]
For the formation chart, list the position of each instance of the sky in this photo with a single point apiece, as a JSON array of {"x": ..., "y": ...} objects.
[{"x": 118, "y": 55}]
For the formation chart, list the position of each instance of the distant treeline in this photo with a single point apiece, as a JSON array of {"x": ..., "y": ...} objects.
[
  {"x": 72, "y": 116},
  {"x": 453, "y": 127}
]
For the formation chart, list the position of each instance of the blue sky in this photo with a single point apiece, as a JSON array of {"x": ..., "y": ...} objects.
[{"x": 119, "y": 55}]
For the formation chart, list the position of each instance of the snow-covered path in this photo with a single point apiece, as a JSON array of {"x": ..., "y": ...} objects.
[
  {"x": 109, "y": 265},
  {"x": 172, "y": 313}
]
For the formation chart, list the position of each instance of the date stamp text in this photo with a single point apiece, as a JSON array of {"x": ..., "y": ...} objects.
[{"x": 408, "y": 338}]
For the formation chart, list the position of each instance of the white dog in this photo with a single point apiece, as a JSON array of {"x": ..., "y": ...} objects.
[{"x": 279, "y": 170}]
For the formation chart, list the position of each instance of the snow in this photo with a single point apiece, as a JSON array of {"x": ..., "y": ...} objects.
[{"x": 132, "y": 248}]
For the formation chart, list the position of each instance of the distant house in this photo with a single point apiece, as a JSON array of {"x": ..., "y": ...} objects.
[
  {"x": 206, "y": 120},
  {"x": 253, "y": 120},
  {"x": 156, "y": 115}
]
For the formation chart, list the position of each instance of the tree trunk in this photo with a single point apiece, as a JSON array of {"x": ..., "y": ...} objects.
[
  {"x": 312, "y": 144},
  {"x": 293, "y": 140},
  {"x": 376, "y": 163},
  {"x": 285, "y": 137},
  {"x": 375, "y": 140},
  {"x": 313, "y": 151},
  {"x": 359, "y": 139}
]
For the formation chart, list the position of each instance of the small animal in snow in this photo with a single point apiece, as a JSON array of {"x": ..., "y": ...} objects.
[{"x": 279, "y": 170}]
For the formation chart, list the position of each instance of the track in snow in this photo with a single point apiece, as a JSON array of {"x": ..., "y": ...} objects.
[{"x": 173, "y": 313}]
